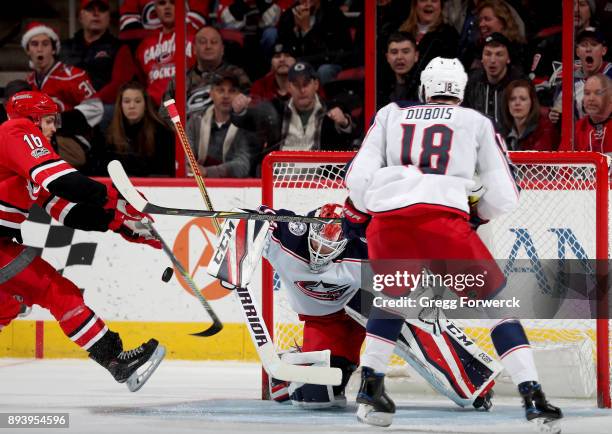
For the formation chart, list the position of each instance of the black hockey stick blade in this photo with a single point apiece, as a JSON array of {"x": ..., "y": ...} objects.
[
  {"x": 217, "y": 325},
  {"x": 215, "y": 328},
  {"x": 129, "y": 192}
]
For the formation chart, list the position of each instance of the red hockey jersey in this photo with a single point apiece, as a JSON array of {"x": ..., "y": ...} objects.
[
  {"x": 67, "y": 85},
  {"x": 140, "y": 14},
  {"x": 28, "y": 164},
  {"x": 155, "y": 58}
]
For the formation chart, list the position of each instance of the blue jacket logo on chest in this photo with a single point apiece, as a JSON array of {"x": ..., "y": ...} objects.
[{"x": 321, "y": 290}]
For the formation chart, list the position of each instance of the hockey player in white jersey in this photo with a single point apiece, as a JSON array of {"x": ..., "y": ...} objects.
[{"x": 408, "y": 193}]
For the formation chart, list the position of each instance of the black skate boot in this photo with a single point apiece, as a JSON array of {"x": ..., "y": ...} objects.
[
  {"x": 538, "y": 409},
  {"x": 124, "y": 365},
  {"x": 374, "y": 405}
]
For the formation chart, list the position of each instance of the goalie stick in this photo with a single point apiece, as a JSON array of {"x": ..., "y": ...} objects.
[
  {"x": 129, "y": 192},
  {"x": 257, "y": 327},
  {"x": 217, "y": 325}
]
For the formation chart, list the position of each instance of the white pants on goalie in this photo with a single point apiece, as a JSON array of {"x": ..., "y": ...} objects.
[{"x": 307, "y": 396}]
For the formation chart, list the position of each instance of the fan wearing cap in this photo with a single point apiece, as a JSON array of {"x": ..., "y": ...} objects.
[
  {"x": 69, "y": 86},
  {"x": 209, "y": 61},
  {"x": 486, "y": 84},
  {"x": 93, "y": 48},
  {"x": 591, "y": 47},
  {"x": 275, "y": 83},
  {"x": 303, "y": 122},
  {"x": 222, "y": 149}
]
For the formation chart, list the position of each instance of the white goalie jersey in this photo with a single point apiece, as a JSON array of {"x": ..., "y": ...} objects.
[
  {"x": 427, "y": 155},
  {"x": 311, "y": 293}
]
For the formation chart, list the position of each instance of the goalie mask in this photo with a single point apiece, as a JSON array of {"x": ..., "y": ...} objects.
[
  {"x": 326, "y": 241},
  {"x": 443, "y": 77}
]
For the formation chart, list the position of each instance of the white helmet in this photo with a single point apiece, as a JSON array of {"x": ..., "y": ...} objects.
[
  {"x": 443, "y": 77},
  {"x": 325, "y": 241}
]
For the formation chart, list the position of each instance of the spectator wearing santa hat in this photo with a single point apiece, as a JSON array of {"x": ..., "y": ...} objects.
[{"x": 69, "y": 86}]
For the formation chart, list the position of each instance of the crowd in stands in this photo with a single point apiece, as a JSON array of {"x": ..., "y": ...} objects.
[{"x": 265, "y": 75}]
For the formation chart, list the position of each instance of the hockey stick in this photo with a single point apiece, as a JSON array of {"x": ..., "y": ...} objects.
[
  {"x": 257, "y": 327},
  {"x": 129, "y": 192},
  {"x": 217, "y": 325},
  {"x": 178, "y": 126}
]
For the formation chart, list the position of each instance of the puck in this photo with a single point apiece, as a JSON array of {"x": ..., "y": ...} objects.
[{"x": 168, "y": 272}]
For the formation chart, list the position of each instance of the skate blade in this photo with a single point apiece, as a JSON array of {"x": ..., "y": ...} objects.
[
  {"x": 367, "y": 414},
  {"x": 547, "y": 425},
  {"x": 137, "y": 380}
]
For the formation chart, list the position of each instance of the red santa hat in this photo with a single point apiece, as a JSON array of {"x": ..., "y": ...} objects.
[{"x": 36, "y": 28}]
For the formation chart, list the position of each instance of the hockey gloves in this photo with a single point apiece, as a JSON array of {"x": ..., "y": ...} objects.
[
  {"x": 355, "y": 222},
  {"x": 475, "y": 221},
  {"x": 126, "y": 221}
]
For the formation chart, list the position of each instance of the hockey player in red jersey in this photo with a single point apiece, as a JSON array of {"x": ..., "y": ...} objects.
[
  {"x": 410, "y": 182},
  {"x": 69, "y": 86},
  {"x": 31, "y": 172}
]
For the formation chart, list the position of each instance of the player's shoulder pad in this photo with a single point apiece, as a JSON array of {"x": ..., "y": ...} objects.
[{"x": 293, "y": 236}]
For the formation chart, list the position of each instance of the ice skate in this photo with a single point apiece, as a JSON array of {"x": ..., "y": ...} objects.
[
  {"x": 538, "y": 410},
  {"x": 374, "y": 405}
]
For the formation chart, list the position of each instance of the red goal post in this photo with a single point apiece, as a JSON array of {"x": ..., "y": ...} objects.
[{"x": 568, "y": 188}]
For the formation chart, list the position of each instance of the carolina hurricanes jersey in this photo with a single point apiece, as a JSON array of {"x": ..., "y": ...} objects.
[
  {"x": 67, "y": 85},
  {"x": 141, "y": 14},
  {"x": 311, "y": 293},
  {"x": 426, "y": 156},
  {"x": 155, "y": 57},
  {"x": 27, "y": 165}
]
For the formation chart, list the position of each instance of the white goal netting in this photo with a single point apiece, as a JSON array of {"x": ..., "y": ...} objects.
[{"x": 559, "y": 216}]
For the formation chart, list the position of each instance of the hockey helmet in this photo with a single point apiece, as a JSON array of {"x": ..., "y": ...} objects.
[
  {"x": 31, "y": 104},
  {"x": 326, "y": 241},
  {"x": 443, "y": 77}
]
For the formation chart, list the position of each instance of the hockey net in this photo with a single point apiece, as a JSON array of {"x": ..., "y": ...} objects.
[{"x": 563, "y": 210}]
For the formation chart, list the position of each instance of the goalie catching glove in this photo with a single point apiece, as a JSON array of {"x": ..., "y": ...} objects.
[{"x": 126, "y": 221}]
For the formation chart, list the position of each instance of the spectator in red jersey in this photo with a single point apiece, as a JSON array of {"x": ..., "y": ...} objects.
[
  {"x": 433, "y": 36},
  {"x": 209, "y": 61},
  {"x": 275, "y": 83},
  {"x": 526, "y": 127},
  {"x": 139, "y": 18},
  {"x": 69, "y": 86},
  {"x": 593, "y": 132},
  {"x": 137, "y": 136},
  {"x": 155, "y": 54}
]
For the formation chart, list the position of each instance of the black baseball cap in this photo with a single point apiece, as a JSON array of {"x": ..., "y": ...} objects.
[
  {"x": 304, "y": 70},
  {"x": 498, "y": 38},
  {"x": 592, "y": 32},
  {"x": 282, "y": 47}
]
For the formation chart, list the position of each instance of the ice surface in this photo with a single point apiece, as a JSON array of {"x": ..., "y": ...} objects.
[{"x": 223, "y": 397}]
